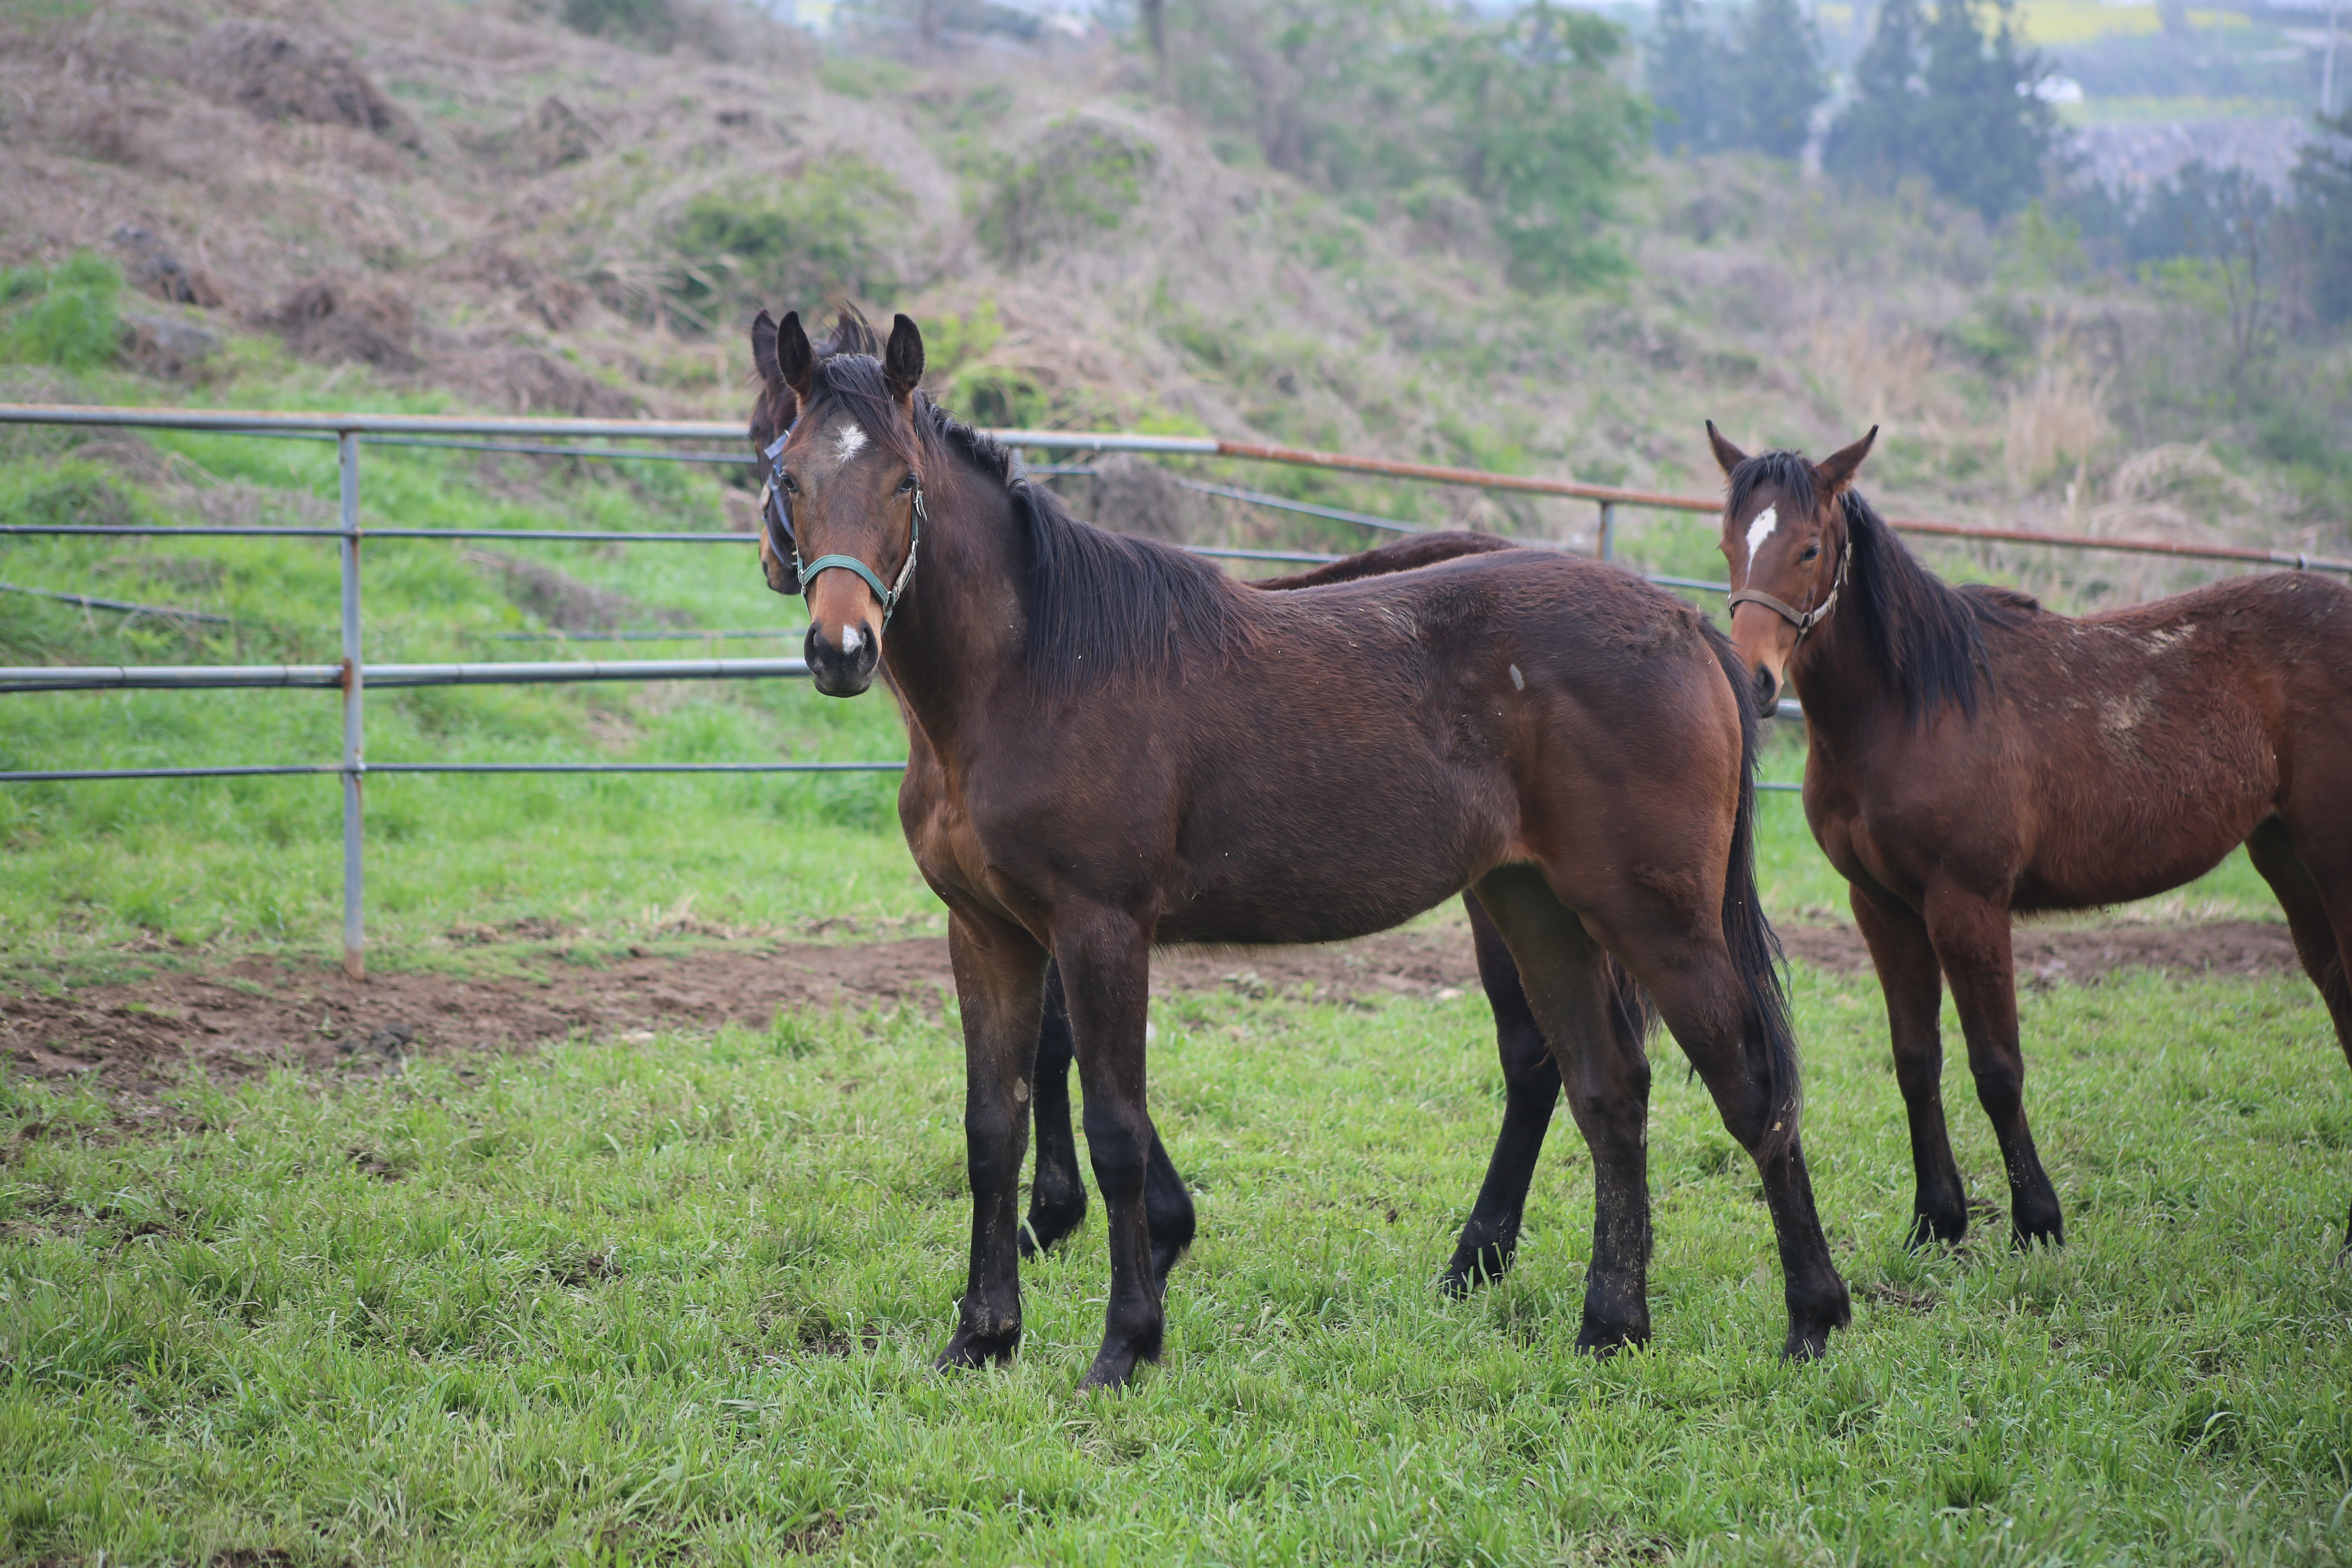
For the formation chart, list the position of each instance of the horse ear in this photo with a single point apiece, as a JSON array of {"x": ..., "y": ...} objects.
[
  {"x": 763, "y": 355},
  {"x": 1837, "y": 470},
  {"x": 1729, "y": 455},
  {"x": 795, "y": 361},
  {"x": 902, "y": 366}
]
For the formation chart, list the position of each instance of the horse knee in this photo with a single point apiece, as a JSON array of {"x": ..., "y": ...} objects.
[
  {"x": 1918, "y": 1074},
  {"x": 1118, "y": 1149},
  {"x": 2000, "y": 1085}
]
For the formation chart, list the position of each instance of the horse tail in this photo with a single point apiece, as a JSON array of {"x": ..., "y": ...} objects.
[{"x": 1771, "y": 1045}]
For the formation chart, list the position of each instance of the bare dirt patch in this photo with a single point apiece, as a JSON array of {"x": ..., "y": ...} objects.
[{"x": 252, "y": 1014}]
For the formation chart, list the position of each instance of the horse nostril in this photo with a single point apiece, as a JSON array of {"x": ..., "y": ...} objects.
[{"x": 1768, "y": 692}]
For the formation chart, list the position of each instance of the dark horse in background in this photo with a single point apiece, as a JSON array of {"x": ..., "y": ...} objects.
[
  {"x": 1975, "y": 756},
  {"x": 1127, "y": 748},
  {"x": 1057, "y": 1196}
]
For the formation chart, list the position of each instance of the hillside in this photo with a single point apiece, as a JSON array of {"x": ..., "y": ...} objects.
[{"x": 477, "y": 199}]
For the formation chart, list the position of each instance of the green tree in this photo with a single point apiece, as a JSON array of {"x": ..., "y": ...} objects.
[
  {"x": 1872, "y": 140},
  {"x": 1395, "y": 101},
  {"x": 1686, "y": 72},
  {"x": 1987, "y": 134},
  {"x": 1776, "y": 80},
  {"x": 1543, "y": 133},
  {"x": 2323, "y": 216},
  {"x": 1948, "y": 94}
]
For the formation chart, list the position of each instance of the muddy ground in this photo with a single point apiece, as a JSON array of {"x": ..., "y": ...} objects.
[{"x": 249, "y": 1015}]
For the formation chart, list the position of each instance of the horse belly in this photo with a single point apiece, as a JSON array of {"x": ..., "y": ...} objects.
[
  {"x": 1296, "y": 873},
  {"x": 2139, "y": 818}
]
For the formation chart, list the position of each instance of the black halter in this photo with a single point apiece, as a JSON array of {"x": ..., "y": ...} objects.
[{"x": 775, "y": 511}]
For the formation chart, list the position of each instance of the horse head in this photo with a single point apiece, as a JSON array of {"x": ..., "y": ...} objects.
[
  {"x": 844, "y": 526},
  {"x": 1784, "y": 537}
]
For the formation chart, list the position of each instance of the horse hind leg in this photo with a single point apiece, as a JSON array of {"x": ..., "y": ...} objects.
[
  {"x": 2322, "y": 938},
  {"x": 1057, "y": 1196},
  {"x": 1971, "y": 938},
  {"x": 1566, "y": 980},
  {"x": 1490, "y": 1237}
]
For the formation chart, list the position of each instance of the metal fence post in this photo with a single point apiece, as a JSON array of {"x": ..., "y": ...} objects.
[
  {"x": 347, "y": 452},
  {"x": 1607, "y": 530}
]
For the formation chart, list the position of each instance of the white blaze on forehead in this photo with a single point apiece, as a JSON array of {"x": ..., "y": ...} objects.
[
  {"x": 848, "y": 440},
  {"x": 1761, "y": 529}
]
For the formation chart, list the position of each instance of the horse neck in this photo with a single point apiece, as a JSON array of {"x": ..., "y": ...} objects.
[
  {"x": 1838, "y": 676},
  {"x": 960, "y": 626}
]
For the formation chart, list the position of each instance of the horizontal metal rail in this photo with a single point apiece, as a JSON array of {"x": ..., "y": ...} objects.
[
  {"x": 264, "y": 530},
  {"x": 250, "y": 421},
  {"x": 118, "y": 606},
  {"x": 276, "y": 770},
  {"x": 681, "y": 635},
  {"x": 1283, "y": 503},
  {"x": 528, "y": 448},
  {"x": 219, "y": 677}
]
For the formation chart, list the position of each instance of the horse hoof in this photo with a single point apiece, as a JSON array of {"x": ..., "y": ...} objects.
[
  {"x": 2027, "y": 1235},
  {"x": 1806, "y": 1345},
  {"x": 1163, "y": 1262},
  {"x": 1472, "y": 1267},
  {"x": 968, "y": 1349},
  {"x": 1048, "y": 1228},
  {"x": 1114, "y": 1369},
  {"x": 1607, "y": 1339},
  {"x": 1929, "y": 1228}
]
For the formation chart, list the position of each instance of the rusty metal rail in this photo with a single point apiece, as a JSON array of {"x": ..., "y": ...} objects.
[{"x": 548, "y": 437}]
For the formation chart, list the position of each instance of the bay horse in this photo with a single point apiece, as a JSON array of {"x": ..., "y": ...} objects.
[
  {"x": 1974, "y": 757},
  {"x": 1057, "y": 1196},
  {"x": 1129, "y": 749}
]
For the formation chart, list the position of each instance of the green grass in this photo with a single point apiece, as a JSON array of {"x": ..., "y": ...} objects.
[{"x": 676, "y": 1302}]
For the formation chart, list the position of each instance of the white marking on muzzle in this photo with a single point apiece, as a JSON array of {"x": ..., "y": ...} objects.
[
  {"x": 851, "y": 640},
  {"x": 1761, "y": 529},
  {"x": 848, "y": 441}
]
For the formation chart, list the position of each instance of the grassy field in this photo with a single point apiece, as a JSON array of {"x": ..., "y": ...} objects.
[{"x": 675, "y": 1302}]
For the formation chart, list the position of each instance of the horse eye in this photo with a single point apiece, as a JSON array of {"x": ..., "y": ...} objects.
[
  {"x": 906, "y": 484},
  {"x": 1810, "y": 551},
  {"x": 791, "y": 485}
]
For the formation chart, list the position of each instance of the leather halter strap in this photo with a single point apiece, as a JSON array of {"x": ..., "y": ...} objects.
[
  {"x": 777, "y": 512},
  {"x": 1803, "y": 620}
]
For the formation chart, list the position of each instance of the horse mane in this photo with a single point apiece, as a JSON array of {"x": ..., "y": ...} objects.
[
  {"x": 1925, "y": 634},
  {"x": 1098, "y": 604}
]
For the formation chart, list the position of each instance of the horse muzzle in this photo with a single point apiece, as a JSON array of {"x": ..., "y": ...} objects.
[{"x": 841, "y": 665}]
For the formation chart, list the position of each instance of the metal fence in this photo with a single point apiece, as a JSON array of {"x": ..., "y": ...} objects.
[{"x": 560, "y": 438}]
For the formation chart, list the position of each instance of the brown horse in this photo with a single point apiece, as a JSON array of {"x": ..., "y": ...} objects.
[
  {"x": 1057, "y": 1194},
  {"x": 1131, "y": 749},
  {"x": 1975, "y": 756}
]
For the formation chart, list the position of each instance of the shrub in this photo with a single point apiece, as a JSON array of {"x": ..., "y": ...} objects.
[
  {"x": 1087, "y": 176},
  {"x": 839, "y": 228},
  {"x": 61, "y": 317},
  {"x": 647, "y": 22}
]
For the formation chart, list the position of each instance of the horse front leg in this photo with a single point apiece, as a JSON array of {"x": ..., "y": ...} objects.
[
  {"x": 1971, "y": 938},
  {"x": 1105, "y": 956},
  {"x": 999, "y": 973},
  {"x": 1490, "y": 1237},
  {"x": 1913, "y": 989}
]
